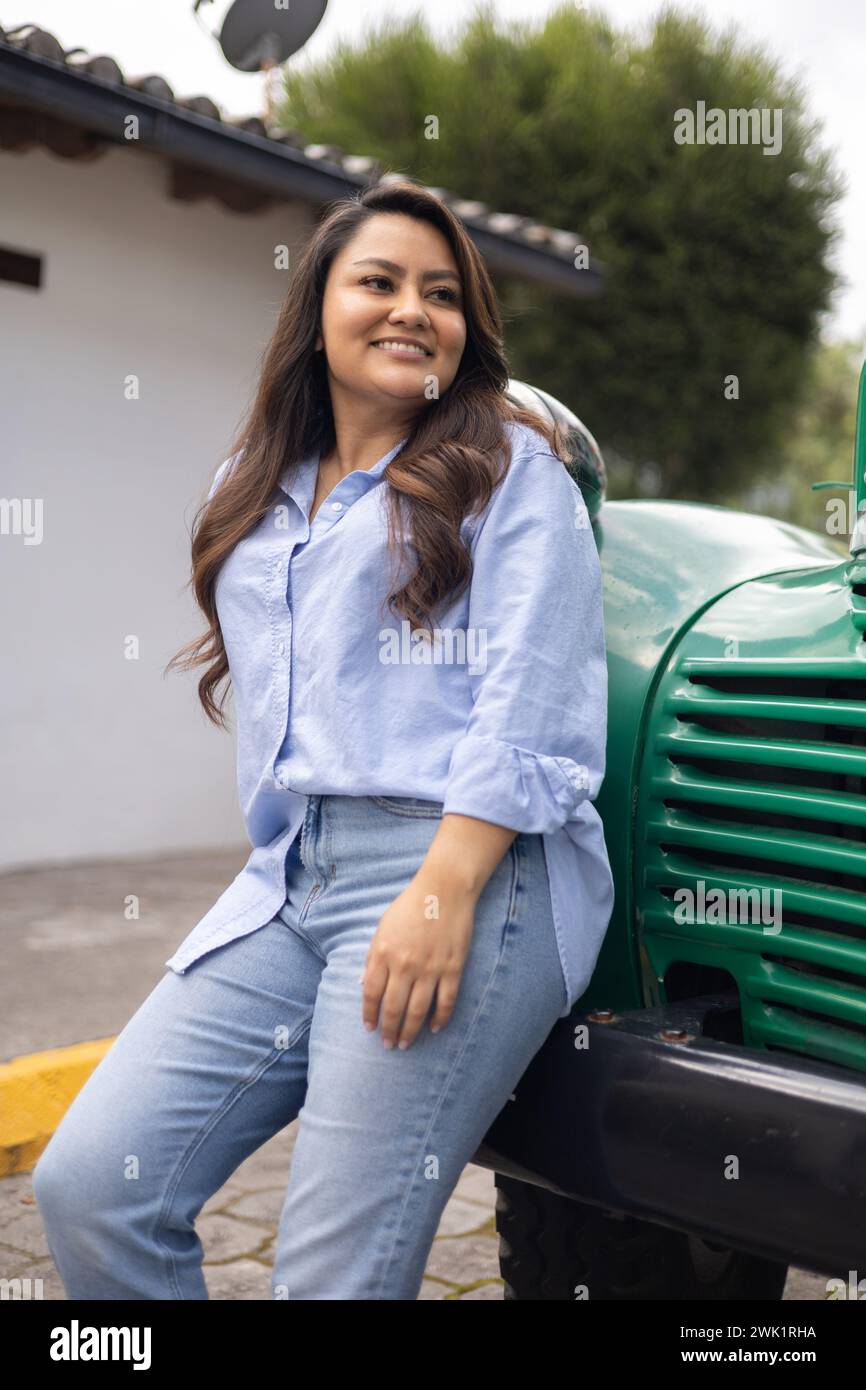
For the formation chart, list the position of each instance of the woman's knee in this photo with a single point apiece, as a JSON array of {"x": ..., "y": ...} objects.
[
  {"x": 47, "y": 1179},
  {"x": 68, "y": 1178}
]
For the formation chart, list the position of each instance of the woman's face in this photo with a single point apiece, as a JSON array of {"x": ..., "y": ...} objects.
[{"x": 416, "y": 296}]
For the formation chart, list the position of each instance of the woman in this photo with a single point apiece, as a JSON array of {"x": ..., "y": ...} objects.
[{"x": 449, "y": 889}]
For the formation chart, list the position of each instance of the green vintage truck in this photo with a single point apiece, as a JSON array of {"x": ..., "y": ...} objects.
[{"x": 698, "y": 1123}]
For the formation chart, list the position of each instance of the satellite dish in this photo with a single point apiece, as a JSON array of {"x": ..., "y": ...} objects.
[{"x": 259, "y": 34}]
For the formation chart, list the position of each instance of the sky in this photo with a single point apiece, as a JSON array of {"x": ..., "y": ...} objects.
[{"x": 822, "y": 44}]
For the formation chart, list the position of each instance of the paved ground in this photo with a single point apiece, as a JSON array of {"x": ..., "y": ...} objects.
[
  {"x": 76, "y": 969},
  {"x": 238, "y": 1227}
]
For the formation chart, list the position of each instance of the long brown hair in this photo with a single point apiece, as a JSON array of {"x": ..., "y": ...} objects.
[{"x": 445, "y": 471}]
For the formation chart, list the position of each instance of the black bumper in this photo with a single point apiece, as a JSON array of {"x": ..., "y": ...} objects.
[{"x": 654, "y": 1128}]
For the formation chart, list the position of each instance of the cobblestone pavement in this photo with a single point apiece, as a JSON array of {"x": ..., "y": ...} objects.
[
  {"x": 238, "y": 1228},
  {"x": 76, "y": 969}
]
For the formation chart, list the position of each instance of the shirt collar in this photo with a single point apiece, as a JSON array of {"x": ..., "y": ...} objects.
[{"x": 302, "y": 486}]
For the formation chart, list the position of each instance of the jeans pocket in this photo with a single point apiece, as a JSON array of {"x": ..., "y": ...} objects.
[
  {"x": 515, "y": 859},
  {"x": 497, "y": 909},
  {"x": 408, "y": 806}
]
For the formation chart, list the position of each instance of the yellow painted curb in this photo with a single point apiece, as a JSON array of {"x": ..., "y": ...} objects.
[{"x": 35, "y": 1092}]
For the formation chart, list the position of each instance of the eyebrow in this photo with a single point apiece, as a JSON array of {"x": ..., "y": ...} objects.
[{"x": 401, "y": 269}]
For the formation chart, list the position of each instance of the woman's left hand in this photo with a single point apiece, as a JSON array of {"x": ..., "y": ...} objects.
[{"x": 419, "y": 950}]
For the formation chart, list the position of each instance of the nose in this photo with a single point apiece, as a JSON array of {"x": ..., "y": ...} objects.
[{"x": 410, "y": 310}]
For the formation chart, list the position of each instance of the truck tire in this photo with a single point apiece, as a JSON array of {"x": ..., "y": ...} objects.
[{"x": 549, "y": 1246}]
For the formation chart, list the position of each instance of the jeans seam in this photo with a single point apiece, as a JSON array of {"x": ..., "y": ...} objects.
[
  {"x": 314, "y": 891},
  {"x": 410, "y": 812},
  {"x": 313, "y": 812},
  {"x": 185, "y": 1159},
  {"x": 516, "y": 849},
  {"x": 470, "y": 1033},
  {"x": 317, "y": 888}
]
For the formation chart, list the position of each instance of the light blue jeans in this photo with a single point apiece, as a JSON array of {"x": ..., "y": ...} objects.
[{"x": 268, "y": 1028}]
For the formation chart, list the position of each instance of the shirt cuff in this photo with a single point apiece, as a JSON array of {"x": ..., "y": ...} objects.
[{"x": 500, "y": 782}]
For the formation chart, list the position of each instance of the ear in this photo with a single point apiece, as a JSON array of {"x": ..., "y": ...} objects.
[{"x": 319, "y": 343}]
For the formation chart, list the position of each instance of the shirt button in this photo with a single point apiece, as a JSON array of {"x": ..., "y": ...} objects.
[
  {"x": 280, "y": 776},
  {"x": 337, "y": 506},
  {"x": 281, "y": 648}
]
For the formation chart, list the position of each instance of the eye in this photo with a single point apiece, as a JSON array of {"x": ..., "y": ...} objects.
[{"x": 450, "y": 295}]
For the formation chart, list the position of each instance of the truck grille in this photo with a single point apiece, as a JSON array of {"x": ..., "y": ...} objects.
[{"x": 755, "y": 779}]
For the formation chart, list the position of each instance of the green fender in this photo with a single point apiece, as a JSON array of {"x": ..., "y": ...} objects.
[{"x": 664, "y": 564}]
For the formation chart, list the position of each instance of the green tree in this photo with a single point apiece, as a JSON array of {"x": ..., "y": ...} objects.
[
  {"x": 817, "y": 446},
  {"x": 716, "y": 255}
]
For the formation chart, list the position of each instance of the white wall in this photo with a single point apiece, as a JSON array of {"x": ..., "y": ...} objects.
[{"x": 101, "y": 756}]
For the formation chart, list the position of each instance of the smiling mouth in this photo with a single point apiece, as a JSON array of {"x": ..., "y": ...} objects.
[{"x": 400, "y": 349}]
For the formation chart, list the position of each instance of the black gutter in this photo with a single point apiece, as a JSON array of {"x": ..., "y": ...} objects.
[
  {"x": 646, "y": 1127},
  {"x": 264, "y": 164}
]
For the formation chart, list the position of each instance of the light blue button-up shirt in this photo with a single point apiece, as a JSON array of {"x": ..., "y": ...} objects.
[{"x": 501, "y": 717}]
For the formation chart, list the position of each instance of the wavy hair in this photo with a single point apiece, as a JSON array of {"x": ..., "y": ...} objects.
[{"x": 447, "y": 468}]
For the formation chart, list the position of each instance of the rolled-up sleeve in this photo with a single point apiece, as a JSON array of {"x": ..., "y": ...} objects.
[{"x": 534, "y": 744}]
